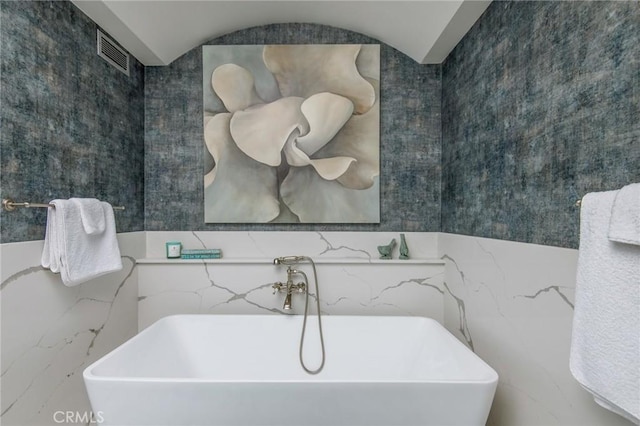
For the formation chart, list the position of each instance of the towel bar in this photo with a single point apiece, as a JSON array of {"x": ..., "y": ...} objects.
[{"x": 9, "y": 205}]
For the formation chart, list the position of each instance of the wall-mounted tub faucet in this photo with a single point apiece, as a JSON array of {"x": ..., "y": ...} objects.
[
  {"x": 289, "y": 287},
  {"x": 302, "y": 287}
]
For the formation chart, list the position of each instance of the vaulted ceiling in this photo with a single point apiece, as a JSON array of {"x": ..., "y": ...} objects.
[{"x": 157, "y": 32}]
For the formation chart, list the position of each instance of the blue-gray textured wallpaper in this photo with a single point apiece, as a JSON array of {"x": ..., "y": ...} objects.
[
  {"x": 410, "y": 136},
  {"x": 71, "y": 124},
  {"x": 540, "y": 106}
]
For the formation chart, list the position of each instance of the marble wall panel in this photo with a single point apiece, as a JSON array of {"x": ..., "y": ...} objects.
[
  {"x": 512, "y": 303},
  {"x": 197, "y": 287},
  {"x": 352, "y": 280},
  {"x": 50, "y": 332}
]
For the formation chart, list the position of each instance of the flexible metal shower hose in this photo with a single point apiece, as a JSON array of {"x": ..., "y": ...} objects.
[{"x": 304, "y": 322}]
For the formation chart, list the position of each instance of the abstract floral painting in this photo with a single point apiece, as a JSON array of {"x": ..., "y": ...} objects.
[{"x": 291, "y": 133}]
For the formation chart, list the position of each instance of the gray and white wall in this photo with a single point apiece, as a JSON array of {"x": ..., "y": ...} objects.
[
  {"x": 482, "y": 158},
  {"x": 70, "y": 125}
]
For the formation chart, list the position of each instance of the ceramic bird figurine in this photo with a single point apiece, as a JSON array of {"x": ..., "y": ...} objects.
[
  {"x": 404, "y": 250},
  {"x": 385, "y": 251}
]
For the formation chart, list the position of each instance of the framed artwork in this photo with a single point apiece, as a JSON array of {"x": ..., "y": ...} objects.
[{"x": 291, "y": 133}]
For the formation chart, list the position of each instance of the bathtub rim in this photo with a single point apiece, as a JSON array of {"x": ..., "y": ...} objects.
[{"x": 88, "y": 374}]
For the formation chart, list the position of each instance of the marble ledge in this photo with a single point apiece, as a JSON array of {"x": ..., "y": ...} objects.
[{"x": 262, "y": 261}]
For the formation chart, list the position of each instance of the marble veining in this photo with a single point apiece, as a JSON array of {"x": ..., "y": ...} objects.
[
  {"x": 331, "y": 249},
  {"x": 357, "y": 289},
  {"x": 236, "y": 296},
  {"x": 20, "y": 274},
  {"x": 516, "y": 300},
  {"x": 463, "y": 328},
  {"x": 367, "y": 286},
  {"x": 51, "y": 332},
  {"x": 56, "y": 345},
  {"x": 555, "y": 288},
  {"x": 97, "y": 331}
]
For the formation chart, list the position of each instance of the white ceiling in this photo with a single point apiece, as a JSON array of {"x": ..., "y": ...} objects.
[{"x": 157, "y": 32}]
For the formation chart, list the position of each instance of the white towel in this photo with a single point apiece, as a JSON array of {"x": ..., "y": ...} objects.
[
  {"x": 605, "y": 344},
  {"x": 92, "y": 215},
  {"x": 625, "y": 216},
  {"x": 78, "y": 256}
]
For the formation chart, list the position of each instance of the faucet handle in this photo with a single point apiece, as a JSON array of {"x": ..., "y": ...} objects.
[{"x": 277, "y": 287}]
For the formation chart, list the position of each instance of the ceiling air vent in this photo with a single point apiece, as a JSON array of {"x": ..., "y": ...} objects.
[{"x": 112, "y": 53}]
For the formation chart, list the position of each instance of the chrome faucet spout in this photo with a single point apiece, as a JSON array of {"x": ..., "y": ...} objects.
[{"x": 287, "y": 302}]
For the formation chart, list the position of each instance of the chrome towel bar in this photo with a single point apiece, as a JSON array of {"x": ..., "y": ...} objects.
[{"x": 9, "y": 205}]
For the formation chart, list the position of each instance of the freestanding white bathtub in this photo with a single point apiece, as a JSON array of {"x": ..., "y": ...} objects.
[{"x": 244, "y": 370}]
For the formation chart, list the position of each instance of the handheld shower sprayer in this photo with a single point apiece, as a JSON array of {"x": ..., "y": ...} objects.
[{"x": 288, "y": 260}]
